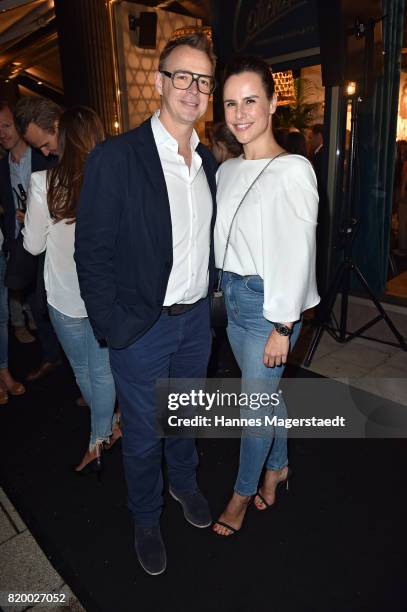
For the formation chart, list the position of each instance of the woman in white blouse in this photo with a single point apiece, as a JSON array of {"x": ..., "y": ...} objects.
[
  {"x": 269, "y": 277},
  {"x": 50, "y": 226}
]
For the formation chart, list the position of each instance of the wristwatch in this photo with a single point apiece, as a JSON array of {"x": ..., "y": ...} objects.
[{"x": 282, "y": 330}]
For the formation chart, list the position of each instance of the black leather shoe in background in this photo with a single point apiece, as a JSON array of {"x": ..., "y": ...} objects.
[
  {"x": 195, "y": 507},
  {"x": 150, "y": 549}
]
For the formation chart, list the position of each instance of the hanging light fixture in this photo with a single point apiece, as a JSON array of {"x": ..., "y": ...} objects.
[{"x": 187, "y": 30}]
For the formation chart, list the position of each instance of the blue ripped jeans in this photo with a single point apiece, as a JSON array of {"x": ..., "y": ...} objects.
[
  {"x": 91, "y": 366},
  {"x": 248, "y": 331}
]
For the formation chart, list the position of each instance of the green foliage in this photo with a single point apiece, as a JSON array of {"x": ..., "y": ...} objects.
[{"x": 299, "y": 114}]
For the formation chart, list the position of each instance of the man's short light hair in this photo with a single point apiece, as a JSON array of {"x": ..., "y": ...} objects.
[
  {"x": 44, "y": 113},
  {"x": 198, "y": 40}
]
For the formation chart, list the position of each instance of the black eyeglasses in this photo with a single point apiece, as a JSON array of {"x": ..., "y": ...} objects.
[{"x": 183, "y": 79}]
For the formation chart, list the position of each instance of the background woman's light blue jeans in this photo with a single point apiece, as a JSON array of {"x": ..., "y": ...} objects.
[
  {"x": 91, "y": 366},
  {"x": 3, "y": 314},
  {"x": 248, "y": 331}
]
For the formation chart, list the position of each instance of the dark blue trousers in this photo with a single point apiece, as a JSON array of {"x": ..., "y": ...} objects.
[{"x": 175, "y": 347}]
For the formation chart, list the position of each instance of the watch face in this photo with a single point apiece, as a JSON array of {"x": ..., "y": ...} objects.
[{"x": 283, "y": 330}]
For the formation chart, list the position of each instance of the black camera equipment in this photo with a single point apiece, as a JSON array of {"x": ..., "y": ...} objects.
[
  {"x": 22, "y": 191},
  {"x": 326, "y": 320},
  {"x": 21, "y": 196}
]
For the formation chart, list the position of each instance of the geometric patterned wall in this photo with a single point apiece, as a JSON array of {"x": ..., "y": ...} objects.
[{"x": 137, "y": 66}]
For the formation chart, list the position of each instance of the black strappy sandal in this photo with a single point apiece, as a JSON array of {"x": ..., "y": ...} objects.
[
  {"x": 281, "y": 484},
  {"x": 222, "y": 524}
]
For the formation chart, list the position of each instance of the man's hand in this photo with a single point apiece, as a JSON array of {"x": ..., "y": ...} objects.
[
  {"x": 20, "y": 214},
  {"x": 276, "y": 350}
]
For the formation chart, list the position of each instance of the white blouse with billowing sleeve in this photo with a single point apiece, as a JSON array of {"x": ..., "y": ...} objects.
[
  {"x": 40, "y": 234},
  {"x": 273, "y": 234}
]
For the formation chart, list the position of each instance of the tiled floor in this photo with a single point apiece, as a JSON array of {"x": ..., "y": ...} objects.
[
  {"x": 23, "y": 566},
  {"x": 366, "y": 364}
]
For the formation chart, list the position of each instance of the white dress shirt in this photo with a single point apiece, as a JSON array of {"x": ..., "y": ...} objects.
[
  {"x": 191, "y": 212},
  {"x": 273, "y": 234},
  {"x": 40, "y": 234}
]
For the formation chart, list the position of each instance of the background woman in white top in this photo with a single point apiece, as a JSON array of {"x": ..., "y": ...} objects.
[
  {"x": 270, "y": 268},
  {"x": 50, "y": 225}
]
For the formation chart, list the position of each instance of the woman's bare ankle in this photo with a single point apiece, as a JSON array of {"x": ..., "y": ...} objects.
[
  {"x": 241, "y": 499},
  {"x": 233, "y": 514}
]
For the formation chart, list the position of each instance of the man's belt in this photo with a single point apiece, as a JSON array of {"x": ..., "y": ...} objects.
[{"x": 178, "y": 309}]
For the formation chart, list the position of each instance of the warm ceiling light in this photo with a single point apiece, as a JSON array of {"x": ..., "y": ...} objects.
[
  {"x": 187, "y": 30},
  {"x": 351, "y": 88}
]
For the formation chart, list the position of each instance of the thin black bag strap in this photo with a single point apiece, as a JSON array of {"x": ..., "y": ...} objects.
[{"x": 236, "y": 211}]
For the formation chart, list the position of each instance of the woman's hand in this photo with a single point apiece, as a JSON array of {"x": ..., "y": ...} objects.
[
  {"x": 20, "y": 214},
  {"x": 276, "y": 350}
]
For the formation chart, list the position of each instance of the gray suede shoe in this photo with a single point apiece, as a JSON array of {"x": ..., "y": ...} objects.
[
  {"x": 150, "y": 549},
  {"x": 195, "y": 507}
]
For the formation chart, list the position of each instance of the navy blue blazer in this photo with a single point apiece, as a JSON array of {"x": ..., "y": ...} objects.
[
  {"x": 38, "y": 162},
  {"x": 123, "y": 241}
]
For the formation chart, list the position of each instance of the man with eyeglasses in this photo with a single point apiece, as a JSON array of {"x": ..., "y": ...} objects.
[{"x": 145, "y": 262}]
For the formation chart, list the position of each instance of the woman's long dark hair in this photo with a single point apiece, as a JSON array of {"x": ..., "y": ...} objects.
[
  {"x": 80, "y": 130},
  {"x": 222, "y": 134}
]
